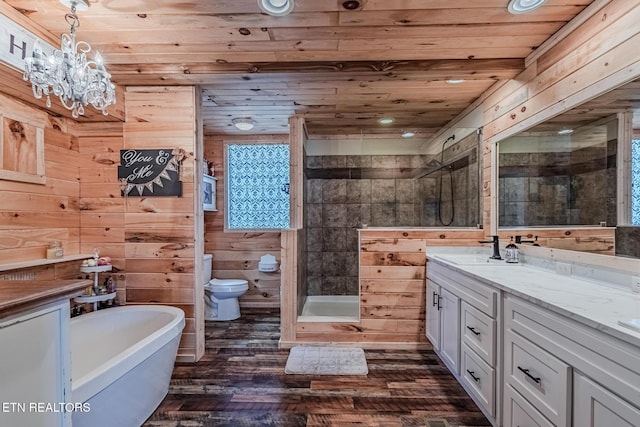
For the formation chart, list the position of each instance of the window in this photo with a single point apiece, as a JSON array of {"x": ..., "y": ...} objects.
[
  {"x": 635, "y": 182},
  {"x": 257, "y": 186}
]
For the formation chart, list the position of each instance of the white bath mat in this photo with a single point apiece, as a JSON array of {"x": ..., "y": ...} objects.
[{"x": 310, "y": 360}]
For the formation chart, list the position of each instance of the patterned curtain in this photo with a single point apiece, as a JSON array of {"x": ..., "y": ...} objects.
[{"x": 258, "y": 196}]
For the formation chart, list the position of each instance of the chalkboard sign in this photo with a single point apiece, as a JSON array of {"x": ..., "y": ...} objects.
[{"x": 150, "y": 172}]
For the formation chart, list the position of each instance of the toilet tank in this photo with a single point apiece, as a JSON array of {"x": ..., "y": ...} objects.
[{"x": 206, "y": 268}]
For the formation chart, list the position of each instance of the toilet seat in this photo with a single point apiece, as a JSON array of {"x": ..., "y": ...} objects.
[{"x": 227, "y": 285}]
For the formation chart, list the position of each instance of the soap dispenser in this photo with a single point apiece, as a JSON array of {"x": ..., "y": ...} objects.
[{"x": 511, "y": 255}]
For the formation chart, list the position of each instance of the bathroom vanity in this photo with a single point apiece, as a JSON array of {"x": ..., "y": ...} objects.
[
  {"x": 543, "y": 342},
  {"x": 35, "y": 370}
]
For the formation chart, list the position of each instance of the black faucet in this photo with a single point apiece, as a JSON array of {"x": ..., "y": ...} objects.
[
  {"x": 519, "y": 240},
  {"x": 496, "y": 247}
]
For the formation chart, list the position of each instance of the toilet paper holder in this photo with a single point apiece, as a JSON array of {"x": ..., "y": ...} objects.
[{"x": 268, "y": 264}]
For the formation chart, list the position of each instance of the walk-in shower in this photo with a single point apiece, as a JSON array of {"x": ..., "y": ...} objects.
[{"x": 344, "y": 193}]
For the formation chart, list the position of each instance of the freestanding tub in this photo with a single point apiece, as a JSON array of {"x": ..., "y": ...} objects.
[{"x": 122, "y": 359}]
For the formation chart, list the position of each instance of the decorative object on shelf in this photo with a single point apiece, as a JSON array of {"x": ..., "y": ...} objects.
[
  {"x": 68, "y": 73},
  {"x": 151, "y": 172},
  {"x": 98, "y": 293},
  {"x": 55, "y": 250}
]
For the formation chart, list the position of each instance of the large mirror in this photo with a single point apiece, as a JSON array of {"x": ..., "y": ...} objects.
[
  {"x": 567, "y": 170},
  {"x": 559, "y": 175}
]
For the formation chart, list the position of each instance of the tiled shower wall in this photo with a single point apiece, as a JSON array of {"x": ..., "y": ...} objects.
[
  {"x": 344, "y": 193},
  {"x": 565, "y": 188}
]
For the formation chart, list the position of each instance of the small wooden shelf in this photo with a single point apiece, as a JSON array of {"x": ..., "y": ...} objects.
[{"x": 42, "y": 261}]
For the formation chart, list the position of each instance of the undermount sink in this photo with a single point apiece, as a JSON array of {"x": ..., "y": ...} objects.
[
  {"x": 470, "y": 259},
  {"x": 633, "y": 324}
]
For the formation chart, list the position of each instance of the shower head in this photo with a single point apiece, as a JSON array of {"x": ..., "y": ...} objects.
[{"x": 433, "y": 163}]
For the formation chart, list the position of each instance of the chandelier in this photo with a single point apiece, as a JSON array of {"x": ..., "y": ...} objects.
[{"x": 68, "y": 73}]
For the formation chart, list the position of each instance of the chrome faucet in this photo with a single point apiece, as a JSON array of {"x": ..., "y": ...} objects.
[{"x": 496, "y": 246}]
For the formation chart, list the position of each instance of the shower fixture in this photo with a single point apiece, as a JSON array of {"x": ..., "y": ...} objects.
[{"x": 450, "y": 168}]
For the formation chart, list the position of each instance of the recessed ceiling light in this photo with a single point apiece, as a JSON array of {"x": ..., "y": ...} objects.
[
  {"x": 565, "y": 131},
  {"x": 385, "y": 121},
  {"x": 351, "y": 4},
  {"x": 523, "y": 6},
  {"x": 276, "y": 7},
  {"x": 243, "y": 123},
  {"x": 454, "y": 81},
  {"x": 408, "y": 134}
]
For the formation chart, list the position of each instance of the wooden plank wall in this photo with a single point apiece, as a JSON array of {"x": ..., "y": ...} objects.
[
  {"x": 597, "y": 240},
  {"x": 101, "y": 206},
  {"x": 32, "y": 215},
  {"x": 160, "y": 245},
  {"x": 151, "y": 239},
  {"x": 236, "y": 254},
  {"x": 596, "y": 57},
  {"x": 392, "y": 289}
]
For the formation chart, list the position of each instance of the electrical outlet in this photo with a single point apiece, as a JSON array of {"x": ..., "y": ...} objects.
[
  {"x": 563, "y": 268},
  {"x": 635, "y": 284}
]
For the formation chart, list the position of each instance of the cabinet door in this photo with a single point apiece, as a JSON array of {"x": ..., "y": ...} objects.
[
  {"x": 433, "y": 314},
  {"x": 450, "y": 330},
  {"x": 35, "y": 368},
  {"x": 595, "y": 406}
]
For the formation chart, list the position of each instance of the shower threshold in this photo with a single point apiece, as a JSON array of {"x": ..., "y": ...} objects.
[{"x": 331, "y": 308}]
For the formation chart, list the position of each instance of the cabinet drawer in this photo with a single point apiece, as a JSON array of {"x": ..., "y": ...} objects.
[
  {"x": 518, "y": 412},
  {"x": 543, "y": 379},
  {"x": 479, "y": 379},
  {"x": 479, "y": 332},
  {"x": 469, "y": 289}
]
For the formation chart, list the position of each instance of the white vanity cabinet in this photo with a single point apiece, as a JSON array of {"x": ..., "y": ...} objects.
[
  {"x": 35, "y": 369},
  {"x": 461, "y": 325},
  {"x": 563, "y": 373}
]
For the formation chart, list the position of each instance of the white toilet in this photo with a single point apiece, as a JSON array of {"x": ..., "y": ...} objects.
[{"x": 221, "y": 295}]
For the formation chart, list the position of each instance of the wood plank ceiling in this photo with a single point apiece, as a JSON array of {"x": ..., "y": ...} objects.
[{"x": 342, "y": 69}]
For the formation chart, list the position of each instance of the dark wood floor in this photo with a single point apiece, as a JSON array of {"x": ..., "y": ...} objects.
[{"x": 240, "y": 382}]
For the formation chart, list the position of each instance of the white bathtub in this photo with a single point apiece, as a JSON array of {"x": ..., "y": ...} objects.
[{"x": 122, "y": 359}]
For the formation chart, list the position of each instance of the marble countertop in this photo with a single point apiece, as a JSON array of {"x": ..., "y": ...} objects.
[
  {"x": 19, "y": 295},
  {"x": 596, "y": 303}
]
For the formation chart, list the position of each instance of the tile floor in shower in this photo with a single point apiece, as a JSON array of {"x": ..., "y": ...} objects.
[{"x": 331, "y": 308}]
